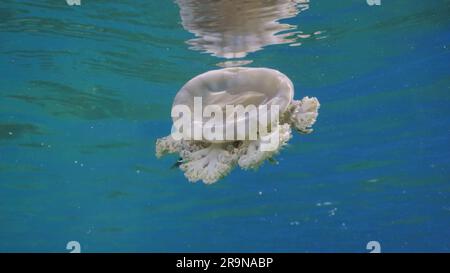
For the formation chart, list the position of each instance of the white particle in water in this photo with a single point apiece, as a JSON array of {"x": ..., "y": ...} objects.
[
  {"x": 10, "y": 133},
  {"x": 332, "y": 212}
]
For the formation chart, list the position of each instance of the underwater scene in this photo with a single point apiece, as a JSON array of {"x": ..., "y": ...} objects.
[{"x": 359, "y": 156}]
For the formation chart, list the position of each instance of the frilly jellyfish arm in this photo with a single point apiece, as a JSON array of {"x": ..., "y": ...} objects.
[
  {"x": 167, "y": 145},
  {"x": 208, "y": 164},
  {"x": 251, "y": 154},
  {"x": 303, "y": 114},
  {"x": 199, "y": 161}
]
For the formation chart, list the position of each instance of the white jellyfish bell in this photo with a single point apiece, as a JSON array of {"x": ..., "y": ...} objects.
[{"x": 209, "y": 159}]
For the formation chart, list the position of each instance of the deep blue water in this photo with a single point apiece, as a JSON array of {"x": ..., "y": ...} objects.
[{"x": 86, "y": 91}]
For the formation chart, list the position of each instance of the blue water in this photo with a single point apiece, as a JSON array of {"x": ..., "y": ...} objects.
[{"x": 86, "y": 91}]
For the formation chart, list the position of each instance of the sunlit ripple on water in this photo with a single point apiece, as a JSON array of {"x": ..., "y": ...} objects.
[{"x": 232, "y": 28}]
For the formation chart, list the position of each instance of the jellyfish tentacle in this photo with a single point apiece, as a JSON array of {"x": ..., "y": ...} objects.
[
  {"x": 303, "y": 114},
  {"x": 167, "y": 145},
  {"x": 253, "y": 156},
  {"x": 208, "y": 164}
]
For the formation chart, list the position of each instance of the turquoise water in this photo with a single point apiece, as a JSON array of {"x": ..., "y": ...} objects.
[{"x": 86, "y": 91}]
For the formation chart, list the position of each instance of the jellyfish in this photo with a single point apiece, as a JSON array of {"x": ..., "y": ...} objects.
[{"x": 210, "y": 159}]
